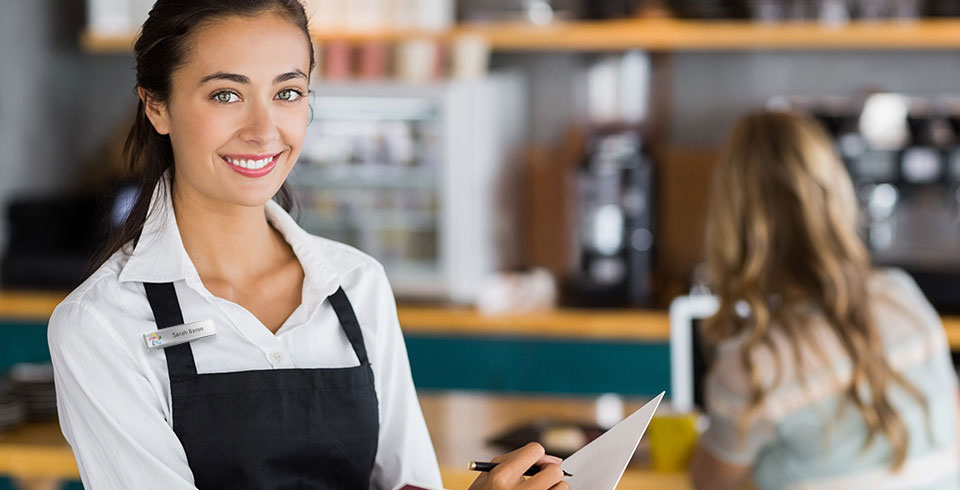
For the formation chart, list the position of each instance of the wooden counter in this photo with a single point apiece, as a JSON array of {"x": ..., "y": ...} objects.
[
  {"x": 28, "y": 306},
  {"x": 636, "y": 325},
  {"x": 458, "y": 424},
  {"x": 642, "y": 325},
  {"x": 37, "y": 450}
]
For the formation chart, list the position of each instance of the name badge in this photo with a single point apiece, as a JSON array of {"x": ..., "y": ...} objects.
[{"x": 179, "y": 334}]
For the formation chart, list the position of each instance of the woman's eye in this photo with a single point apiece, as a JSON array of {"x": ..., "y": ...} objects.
[
  {"x": 288, "y": 95},
  {"x": 226, "y": 97}
]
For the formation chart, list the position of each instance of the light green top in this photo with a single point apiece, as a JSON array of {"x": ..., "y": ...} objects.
[{"x": 801, "y": 438}]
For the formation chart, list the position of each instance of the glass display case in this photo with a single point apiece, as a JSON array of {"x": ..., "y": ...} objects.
[{"x": 412, "y": 174}]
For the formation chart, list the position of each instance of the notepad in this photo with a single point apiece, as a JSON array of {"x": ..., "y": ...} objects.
[{"x": 600, "y": 464}]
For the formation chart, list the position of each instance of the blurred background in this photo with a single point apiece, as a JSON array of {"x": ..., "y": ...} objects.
[{"x": 533, "y": 174}]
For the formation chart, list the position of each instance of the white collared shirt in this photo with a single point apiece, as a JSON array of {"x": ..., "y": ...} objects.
[{"x": 113, "y": 395}]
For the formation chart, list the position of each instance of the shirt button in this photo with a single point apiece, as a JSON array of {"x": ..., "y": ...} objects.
[{"x": 276, "y": 355}]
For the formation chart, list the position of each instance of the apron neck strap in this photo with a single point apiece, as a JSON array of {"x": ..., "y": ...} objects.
[
  {"x": 166, "y": 312},
  {"x": 349, "y": 323}
]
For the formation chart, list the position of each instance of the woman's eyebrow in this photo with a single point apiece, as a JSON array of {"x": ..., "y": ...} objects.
[
  {"x": 290, "y": 76},
  {"x": 233, "y": 77}
]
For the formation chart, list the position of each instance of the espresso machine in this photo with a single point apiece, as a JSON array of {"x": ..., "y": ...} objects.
[
  {"x": 615, "y": 225},
  {"x": 903, "y": 155}
]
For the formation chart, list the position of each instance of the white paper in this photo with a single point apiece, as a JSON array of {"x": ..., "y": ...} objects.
[{"x": 600, "y": 464}]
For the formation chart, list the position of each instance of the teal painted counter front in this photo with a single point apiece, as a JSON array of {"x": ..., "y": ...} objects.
[
  {"x": 525, "y": 365},
  {"x": 522, "y": 365},
  {"x": 22, "y": 341}
]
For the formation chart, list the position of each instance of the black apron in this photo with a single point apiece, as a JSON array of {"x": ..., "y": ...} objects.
[{"x": 273, "y": 428}]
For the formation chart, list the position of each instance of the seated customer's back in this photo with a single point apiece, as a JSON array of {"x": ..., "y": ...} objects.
[
  {"x": 826, "y": 373},
  {"x": 801, "y": 435}
]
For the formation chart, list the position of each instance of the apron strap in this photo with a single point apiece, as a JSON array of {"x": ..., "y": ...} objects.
[
  {"x": 166, "y": 312},
  {"x": 349, "y": 323}
]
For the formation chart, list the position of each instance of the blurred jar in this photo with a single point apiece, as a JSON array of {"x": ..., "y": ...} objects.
[{"x": 673, "y": 438}]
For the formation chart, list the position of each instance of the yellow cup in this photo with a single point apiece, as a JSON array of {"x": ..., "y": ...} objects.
[{"x": 673, "y": 438}]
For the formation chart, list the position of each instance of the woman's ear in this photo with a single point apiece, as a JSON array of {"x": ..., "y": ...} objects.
[{"x": 156, "y": 111}]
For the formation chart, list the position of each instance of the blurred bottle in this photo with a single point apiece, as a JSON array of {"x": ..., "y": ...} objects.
[
  {"x": 539, "y": 12},
  {"x": 610, "y": 9},
  {"x": 834, "y": 12},
  {"x": 117, "y": 17},
  {"x": 375, "y": 15}
]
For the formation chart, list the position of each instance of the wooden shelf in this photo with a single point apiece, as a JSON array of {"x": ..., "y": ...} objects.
[
  {"x": 96, "y": 43},
  {"x": 656, "y": 35},
  {"x": 92, "y": 42},
  {"x": 678, "y": 35}
]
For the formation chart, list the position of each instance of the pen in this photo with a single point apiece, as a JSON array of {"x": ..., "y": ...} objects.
[{"x": 484, "y": 466}]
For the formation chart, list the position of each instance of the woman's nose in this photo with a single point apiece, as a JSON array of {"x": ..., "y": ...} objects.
[{"x": 259, "y": 127}]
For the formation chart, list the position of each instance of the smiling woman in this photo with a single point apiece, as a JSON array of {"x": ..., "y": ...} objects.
[
  {"x": 217, "y": 344},
  {"x": 236, "y": 112},
  {"x": 169, "y": 46}
]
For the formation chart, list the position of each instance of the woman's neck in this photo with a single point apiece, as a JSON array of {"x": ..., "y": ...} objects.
[{"x": 226, "y": 242}]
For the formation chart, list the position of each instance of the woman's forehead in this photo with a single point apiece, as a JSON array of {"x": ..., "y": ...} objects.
[{"x": 258, "y": 47}]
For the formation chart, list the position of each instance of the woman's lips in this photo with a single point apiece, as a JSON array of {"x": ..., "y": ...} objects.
[{"x": 251, "y": 165}]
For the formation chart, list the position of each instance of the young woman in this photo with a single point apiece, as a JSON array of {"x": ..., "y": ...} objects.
[
  {"x": 827, "y": 373},
  {"x": 219, "y": 345}
]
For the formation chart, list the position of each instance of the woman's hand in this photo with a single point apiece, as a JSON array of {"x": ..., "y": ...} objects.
[{"x": 508, "y": 475}]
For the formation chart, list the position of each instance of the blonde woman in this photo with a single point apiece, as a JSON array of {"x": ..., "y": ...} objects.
[{"x": 826, "y": 373}]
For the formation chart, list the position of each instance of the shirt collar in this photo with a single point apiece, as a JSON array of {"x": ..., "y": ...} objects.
[
  {"x": 323, "y": 268},
  {"x": 159, "y": 255}
]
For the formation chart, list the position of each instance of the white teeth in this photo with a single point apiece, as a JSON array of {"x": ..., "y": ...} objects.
[{"x": 251, "y": 164}]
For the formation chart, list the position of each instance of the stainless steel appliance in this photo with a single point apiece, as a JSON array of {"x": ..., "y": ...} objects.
[
  {"x": 615, "y": 231},
  {"x": 903, "y": 154}
]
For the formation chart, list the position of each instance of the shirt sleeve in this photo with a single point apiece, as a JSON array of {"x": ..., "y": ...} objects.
[
  {"x": 730, "y": 437},
  {"x": 110, "y": 412},
  {"x": 405, "y": 453}
]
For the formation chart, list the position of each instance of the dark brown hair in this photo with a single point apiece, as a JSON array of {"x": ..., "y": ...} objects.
[{"x": 160, "y": 49}]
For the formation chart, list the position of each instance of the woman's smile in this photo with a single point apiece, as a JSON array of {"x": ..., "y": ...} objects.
[{"x": 252, "y": 165}]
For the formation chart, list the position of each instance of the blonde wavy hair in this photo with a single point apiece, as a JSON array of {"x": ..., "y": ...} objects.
[{"x": 782, "y": 234}]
